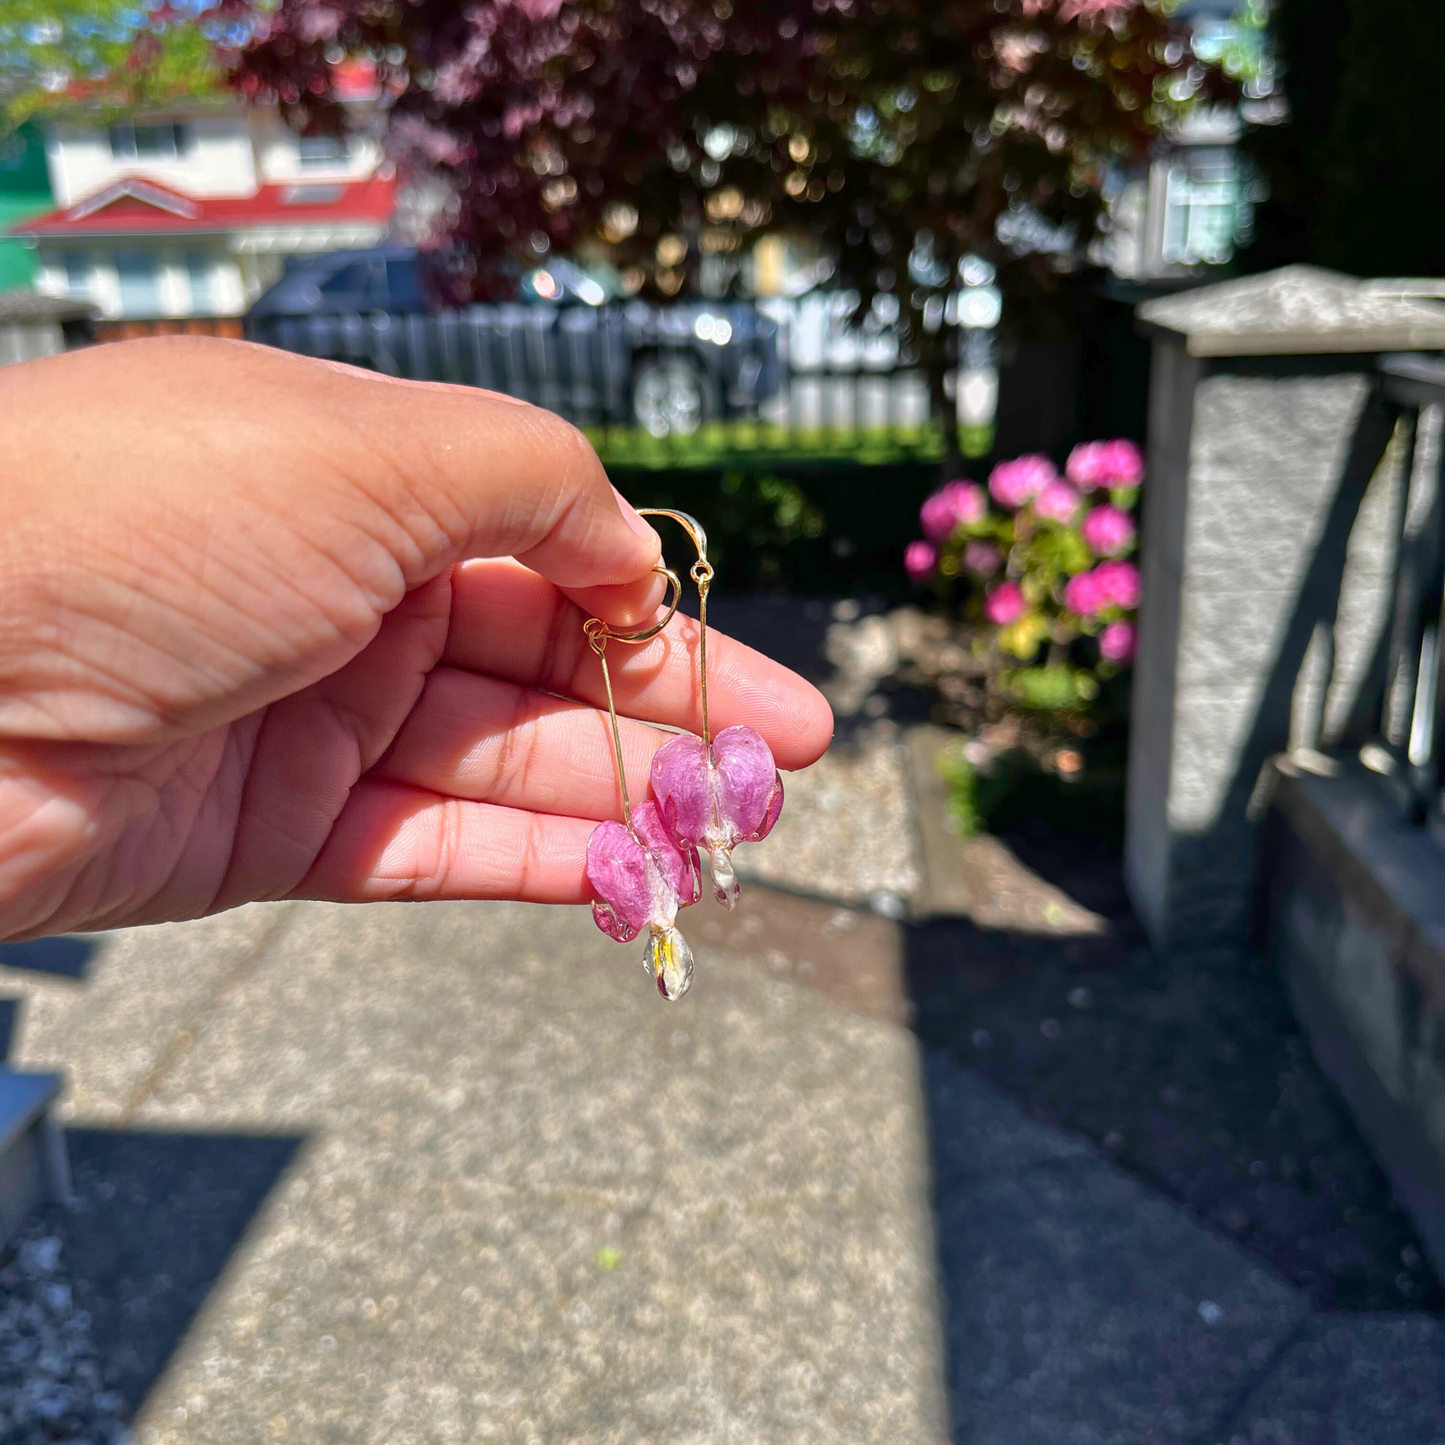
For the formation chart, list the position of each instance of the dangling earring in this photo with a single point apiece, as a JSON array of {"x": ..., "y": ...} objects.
[
  {"x": 642, "y": 873},
  {"x": 714, "y": 793}
]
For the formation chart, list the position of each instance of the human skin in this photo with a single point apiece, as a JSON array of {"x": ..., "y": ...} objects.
[{"x": 277, "y": 628}]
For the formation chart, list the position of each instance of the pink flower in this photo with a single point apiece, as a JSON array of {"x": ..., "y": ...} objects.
[
  {"x": 982, "y": 559},
  {"x": 1021, "y": 480},
  {"x": 919, "y": 560},
  {"x": 1082, "y": 594},
  {"x": 718, "y": 797},
  {"x": 957, "y": 502},
  {"x": 1117, "y": 463},
  {"x": 1059, "y": 502},
  {"x": 1108, "y": 531},
  {"x": 1118, "y": 584},
  {"x": 1005, "y": 604},
  {"x": 642, "y": 876},
  {"x": 1116, "y": 642}
]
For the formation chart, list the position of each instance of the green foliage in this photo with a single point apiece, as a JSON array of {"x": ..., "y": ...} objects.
[
  {"x": 753, "y": 520},
  {"x": 723, "y": 443},
  {"x": 961, "y": 779},
  {"x": 1055, "y": 687},
  {"x": 104, "y": 55},
  {"x": 807, "y": 530}
]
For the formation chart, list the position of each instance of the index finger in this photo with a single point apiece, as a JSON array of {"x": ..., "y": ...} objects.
[{"x": 510, "y": 622}]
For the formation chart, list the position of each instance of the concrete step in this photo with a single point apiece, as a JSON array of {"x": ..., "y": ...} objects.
[{"x": 33, "y": 1165}]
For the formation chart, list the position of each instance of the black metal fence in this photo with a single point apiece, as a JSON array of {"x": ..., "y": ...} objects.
[
  {"x": 1408, "y": 721},
  {"x": 692, "y": 384}
]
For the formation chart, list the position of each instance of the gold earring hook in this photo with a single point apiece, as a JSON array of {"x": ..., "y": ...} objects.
[
  {"x": 599, "y": 634},
  {"x": 595, "y": 625},
  {"x": 702, "y": 574}
]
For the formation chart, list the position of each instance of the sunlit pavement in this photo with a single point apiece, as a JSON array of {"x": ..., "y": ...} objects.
[{"x": 432, "y": 1173}]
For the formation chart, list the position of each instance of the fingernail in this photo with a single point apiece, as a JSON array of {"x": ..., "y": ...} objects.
[{"x": 638, "y": 524}]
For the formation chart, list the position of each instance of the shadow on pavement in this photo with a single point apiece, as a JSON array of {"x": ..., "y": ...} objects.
[
  {"x": 1104, "y": 1123},
  {"x": 1189, "y": 1073},
  {"x": 66, "y": 955},
  {"x": 158, "y": 1217}
]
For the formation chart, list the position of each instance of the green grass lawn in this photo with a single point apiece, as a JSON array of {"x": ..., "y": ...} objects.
[{"x": 725, "y": 443}]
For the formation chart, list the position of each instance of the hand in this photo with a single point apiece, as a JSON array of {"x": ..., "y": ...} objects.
[{"x": 278, "y": 628}]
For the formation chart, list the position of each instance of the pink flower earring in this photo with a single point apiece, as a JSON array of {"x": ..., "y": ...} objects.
[
  {"x": 714, "y": 793},
  {"x": 709, "y": 793},
  {"x": 642, "y": 875}
]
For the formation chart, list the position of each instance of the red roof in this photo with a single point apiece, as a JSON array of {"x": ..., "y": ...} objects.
[{"x": 135, "y": 204}]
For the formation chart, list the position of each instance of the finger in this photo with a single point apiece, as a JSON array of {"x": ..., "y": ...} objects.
[
  {"x": 629, "y": 607},
  {"x": 431, "y": 473},
  {"x": 516, "y": 480},
  {"x": 512, "y": 624},
  {"x": 223, "y": 524},
  {"x": 491, "y": 741},
  {"x": 396, "y": 842}
]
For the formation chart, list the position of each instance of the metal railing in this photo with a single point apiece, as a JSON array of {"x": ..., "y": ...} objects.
[
  {"x": 1406, "y": 725},
  {"x": 692, "y": 384}
]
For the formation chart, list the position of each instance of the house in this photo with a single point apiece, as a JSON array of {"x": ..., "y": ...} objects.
[
  {"x": 1191, "y": 205},
  {"x": 192, "y": 212}
]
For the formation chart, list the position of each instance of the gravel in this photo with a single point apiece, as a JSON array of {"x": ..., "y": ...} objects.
[
  {"x": 846, "y": 832},
  {"x": 51, "y": 1386}
]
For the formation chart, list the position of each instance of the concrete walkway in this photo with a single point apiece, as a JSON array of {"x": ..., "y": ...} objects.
[{"x": 455, "y": 1173}]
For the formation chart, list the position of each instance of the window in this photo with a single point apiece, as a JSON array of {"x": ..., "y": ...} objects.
[
  {"x": 149, "y": 142},
  {"x": 77, "y": 274},
  {"x": 1201, "y": 214},
  {"x": 317, "y": 152},
  {"x": 198, "y": 273},
  {"x": 140, "y": 283},
  {"x": 312, "y": 195}
]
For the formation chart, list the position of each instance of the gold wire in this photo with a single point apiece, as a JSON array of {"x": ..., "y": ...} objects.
[
  {"x": 702, "y": 574},
  {"x": 599, "y": 646},
  {"x": 599, "y": 634}
]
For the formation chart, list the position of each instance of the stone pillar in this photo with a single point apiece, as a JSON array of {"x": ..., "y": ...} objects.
[{"x": 1268, "y": 562}]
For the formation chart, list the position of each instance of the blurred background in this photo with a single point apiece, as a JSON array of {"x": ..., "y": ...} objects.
[{"x": 1058, "y": 382}]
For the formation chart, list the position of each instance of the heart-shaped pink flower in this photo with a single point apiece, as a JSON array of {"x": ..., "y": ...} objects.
[
  {"x": 715, "y": 798},
  {"x": 642, "y": 877}
]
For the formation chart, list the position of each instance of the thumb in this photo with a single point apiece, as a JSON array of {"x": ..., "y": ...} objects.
[{"x": 515, "y": 480}]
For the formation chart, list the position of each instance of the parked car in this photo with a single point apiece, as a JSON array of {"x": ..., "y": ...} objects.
[{"x": 568, "y": 344}]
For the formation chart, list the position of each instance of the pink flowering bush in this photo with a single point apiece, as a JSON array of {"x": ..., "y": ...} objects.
[
  {"x": 1014, "y": 483},
  {"x": 953, "y": 504},
  {"x": 1109, "y": 531},
  {"x": 1042, "y": 562},
  {"x": 1105, "y": 465}
]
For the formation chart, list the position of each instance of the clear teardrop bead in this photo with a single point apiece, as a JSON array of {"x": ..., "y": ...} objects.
[
  {"x": 724, "y": 881},
  {"x": 669, "y": 960}
]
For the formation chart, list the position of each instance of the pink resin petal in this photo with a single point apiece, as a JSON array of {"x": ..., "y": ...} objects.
[
  {"x": 775, "y": 806},
  {"x": 747, "y": 782},
  {"x": 738, "y": 798},
  {"x": 677, "y": 859},
  {"x": 679, "y": 783},
  {"x": 617, "y": 869},
  {"x": 642, "y": 877}
]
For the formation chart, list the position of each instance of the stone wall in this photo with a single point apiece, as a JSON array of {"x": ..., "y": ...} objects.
[
  {"x": 1353, "y": 914},
  {"x": 1268, "y": 554}
]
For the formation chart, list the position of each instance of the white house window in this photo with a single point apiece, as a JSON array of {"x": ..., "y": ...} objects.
[
  {"x": 149, "y": 142},
  {"x": 312, "y": 195},
  {"x": 198, "y": 272},
  {"x": 77, "y": 273},
  {"x": 1201, "y": 213},
  {"x": 140, "y": 283},
  {"x": 316, "y": 152}
]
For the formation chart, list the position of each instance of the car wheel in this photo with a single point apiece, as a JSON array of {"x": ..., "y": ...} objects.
[{"x": 670, "y": 396}]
